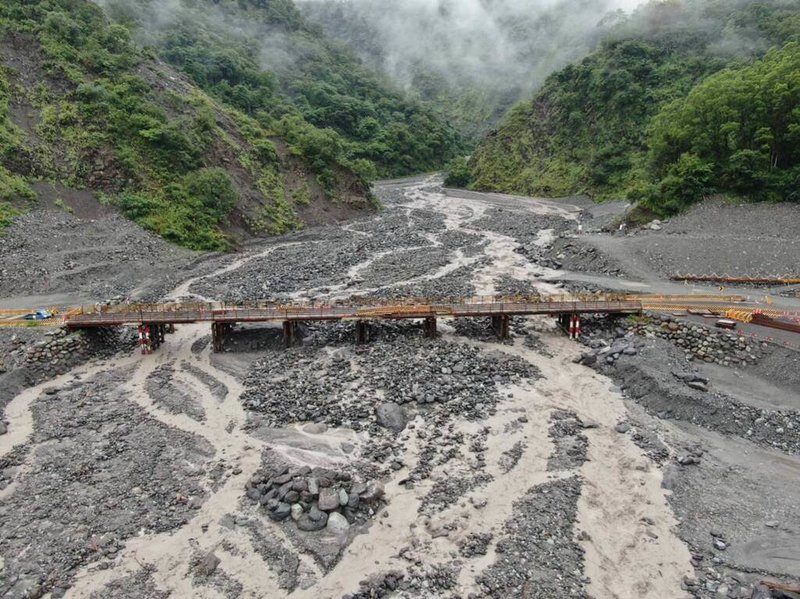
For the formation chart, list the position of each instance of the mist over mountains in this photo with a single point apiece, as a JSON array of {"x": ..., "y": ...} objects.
[
  {"x": 475, "y": 57},
  {"x": 507, "y": 43}
]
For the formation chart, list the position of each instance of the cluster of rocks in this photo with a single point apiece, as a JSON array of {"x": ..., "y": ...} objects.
[
  {"x": 343, "y": 389},
  {"x": 693, "y": 380},
  {"x": 570, "y": 253},
  {"x": 476, "y": 543},
  {"x": 315, "y": 498},
  {"x": 379, "y": 586},
  {"x": 511, "y": 457},
  {"x": 419, "y": 581},
  {"x": 702, "y": 343},
  {"x": 610, "y": 338},
  {"x": 607, "y": 351},
  {"x": 571, "y": 445},
  {"x": 450, "y": 489}
]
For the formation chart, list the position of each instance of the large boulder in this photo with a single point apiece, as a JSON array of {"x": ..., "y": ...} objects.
[
  {"x": 328, "y": 499},
  {"x": 390, "y": 415},
  {"x": 338, "y": 524}
]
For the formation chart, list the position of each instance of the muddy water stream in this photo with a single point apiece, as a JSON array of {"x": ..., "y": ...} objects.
[{"x": 630, "y": 546}]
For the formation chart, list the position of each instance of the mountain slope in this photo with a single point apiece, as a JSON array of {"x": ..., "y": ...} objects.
[
  {"x": 263, "y": 58},
  {"x": 591, "y": 127},
  {"x": 81, "y": 106}
]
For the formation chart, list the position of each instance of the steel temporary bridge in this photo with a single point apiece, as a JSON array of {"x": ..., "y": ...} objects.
[{"x": 156, "y": 320}]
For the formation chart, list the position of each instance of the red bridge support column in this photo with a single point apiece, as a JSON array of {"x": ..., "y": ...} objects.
[
  {"x": 430, "y": 327},
  {"x": 571, "y": 324},
  {"x": 362, "y": 332},
  {"x": 500, "y": 324},
  {"x": 144, "y": 339}
]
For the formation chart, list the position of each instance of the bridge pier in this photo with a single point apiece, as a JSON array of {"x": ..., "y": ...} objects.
[
  {"x": 571, "y": 324},
  {"x": 151, "y": 336},
  {"x": 144, "y": 339},
  {"x": 289, "y": 332},
  {"x": 429, "y": 327},
  {"x": 500, "y": 324},
  {"x": 362, "y": 332},
  {"x": 219, "y": 331}
]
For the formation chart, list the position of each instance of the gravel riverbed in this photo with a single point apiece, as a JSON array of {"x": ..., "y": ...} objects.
[{"x": 654, "y": 459}]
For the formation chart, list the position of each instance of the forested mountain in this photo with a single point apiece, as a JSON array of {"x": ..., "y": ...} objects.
[
  {"x": 470, "y": 59},
  {"x": 683, "y": 100},
  {"x": 254, "y": 124},
  {"x": 263, "y": 58}
]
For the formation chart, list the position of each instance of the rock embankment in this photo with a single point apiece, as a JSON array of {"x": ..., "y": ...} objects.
[
  {"x": 613, "y": 338},
  {"x": 652, "y": 362},
  {"x": 62, "y": 350}
]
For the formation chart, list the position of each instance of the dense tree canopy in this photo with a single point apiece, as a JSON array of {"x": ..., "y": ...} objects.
[
  {"x": 675, "y": 105},
  {"x": 737, "y": 132}
]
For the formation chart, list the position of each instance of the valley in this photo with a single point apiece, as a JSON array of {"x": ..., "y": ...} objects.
[{"x": 469, "y": 467}]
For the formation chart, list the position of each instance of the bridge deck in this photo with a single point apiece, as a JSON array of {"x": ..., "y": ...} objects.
[{"x": 221, "y": 313}]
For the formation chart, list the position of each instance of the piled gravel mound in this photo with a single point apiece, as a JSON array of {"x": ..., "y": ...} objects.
[
  {"x": 571, "y": 445},
  {"x": 572, "y": 253},
  {"x": 537, "y": 557},
  {"x": 342, "y": 390},
  {"x": 746, "y": 240},
  {"x": 309, "y": 498},
  {"x": 523, "y": 226},
  {"x": 48, "y": 252}
]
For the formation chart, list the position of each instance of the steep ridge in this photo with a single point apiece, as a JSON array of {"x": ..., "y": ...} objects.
[
  {"x": 83, "y": 108},
  {"x": 623, "y": 122}
]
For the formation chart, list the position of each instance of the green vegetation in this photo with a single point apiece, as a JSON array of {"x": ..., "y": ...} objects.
[
  {"x": 262, "y": 58},
  {"x": 458, "y": 173},
  {"x": 7, "y": 213},
  {"x": 112, "y": 118},
  {"x": 662, "y": 112},
  {"x": 11, "y": 185},
  {"x": 737, "y": 132},
  {"x": 116, "y": 122}
]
